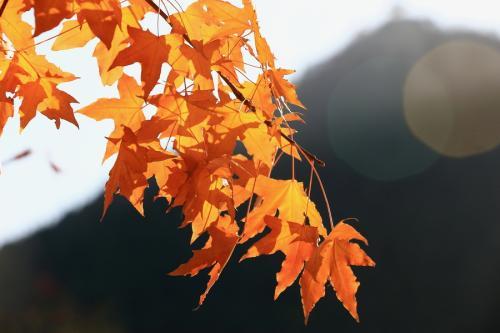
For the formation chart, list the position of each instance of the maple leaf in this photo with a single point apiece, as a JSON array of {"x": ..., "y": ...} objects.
[
  {"x": 75, "y": 34},
  {"x": 37, "y": 67},
  {"x": 253, "y": 133},
  {"x": 128, "y": 175},
  {"x": 6, "y": 112},
  {"x": 215, "y": 254},
  {"x": 287, "y": 197},
  {"x": 260, "y": 95},
  {"x": 102, "y": 16},
  {"x": 282, "y": 87},
  {"x": 195, "y": 117},
  {"x": 149, "y": 50},
  {"x": 43, "y": 96},
  {"x": 124, "y": 111},
  {"x": 13, "y": 26},
  {"x": 49, "y": 13},
  {"x": 226, "y": 57},
  {"x": 131, "y": 17},
  {"x": 202, "y": 196},
  {"x": 207, "y": 20},
  {"x": 9, "y": 81},
  {"x": 332, "y": 261},
  {"x": 189, "y": 63},
  {"x": 170, "y": 175},
  {"x": 57, "y": 106},
  {"x": 35, "y": 80},
  {"x": 264, "y": 54},
  {"x": 105, "y": 58},
  {"x": 294, "y": 240},
  {"x": 246, "y": 171},
  {"x": 33, "y": 94}
]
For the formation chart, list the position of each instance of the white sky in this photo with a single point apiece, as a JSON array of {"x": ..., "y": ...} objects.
[{"x": 300, "y": 32}]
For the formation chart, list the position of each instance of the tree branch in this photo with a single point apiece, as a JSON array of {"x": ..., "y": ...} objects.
[{"x": 4, "y": 5}]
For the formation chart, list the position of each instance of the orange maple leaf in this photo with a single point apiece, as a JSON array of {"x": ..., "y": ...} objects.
[
  {"x": 102, "y": 16},
  {"x": 332, "y": 261},
  {"x": 215, "y": 254},
  {"x": 6, "y": 112},
  {"x": 264, "y": 53},
  {"x": 13, "y": 26},
  {"x": 128, "y": 175},
  {"x": 75, "y": 34},
  {"x": 208, "y": 20},
  {"x": 49, "y": 13},
  {"x": 202, "y": 196},
  {"x": 287, "y": 197},
  {"x": 124, "y": 111},
  {"x": 296, "y": 241},
  {"x": 149, "y": 50},
  {"x": 50, "y": 101},
  {"x": 282, "y": 87},
  {"x": 131, "y": 17}
]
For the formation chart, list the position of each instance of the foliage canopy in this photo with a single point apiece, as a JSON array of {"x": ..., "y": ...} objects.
[{"x": 214, "y": 137}]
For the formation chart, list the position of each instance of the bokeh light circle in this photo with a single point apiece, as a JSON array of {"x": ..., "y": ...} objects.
[
  {"x": 366, "y": 123},
  {"x": 452, "y": 98}
]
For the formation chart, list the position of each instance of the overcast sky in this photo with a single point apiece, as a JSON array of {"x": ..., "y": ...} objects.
[{"x": 300, "y": 32}]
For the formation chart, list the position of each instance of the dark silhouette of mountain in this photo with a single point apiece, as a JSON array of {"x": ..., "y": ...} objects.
[{"x": 432, "y": 221}]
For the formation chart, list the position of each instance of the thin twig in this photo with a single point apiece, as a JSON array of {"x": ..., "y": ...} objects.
[
  {"x": 309, "y": 189},
  {"x": 325, "y": 197},
  {"x": 253, "y": 192},
  {"x": 2, "y": 9},
  {"x": 158, "y": 10},
  {"x": 323, "y": 191}
]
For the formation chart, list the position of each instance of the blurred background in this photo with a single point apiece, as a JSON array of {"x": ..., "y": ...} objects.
[{"x": 403, "y": 103}]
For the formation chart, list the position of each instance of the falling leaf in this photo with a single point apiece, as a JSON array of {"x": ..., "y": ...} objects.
[
  {"x": 55, "y": 167},
  {"x": 19, "y": 156}
]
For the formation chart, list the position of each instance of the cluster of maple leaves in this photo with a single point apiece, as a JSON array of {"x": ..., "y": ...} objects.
[{"x": 224, "y": 132}]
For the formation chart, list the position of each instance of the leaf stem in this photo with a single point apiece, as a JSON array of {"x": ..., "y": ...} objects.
[
  {"x": 323, "y": 191},
  {"x": 309, "y": 189},
  {"x": 325, "y": 197}
]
